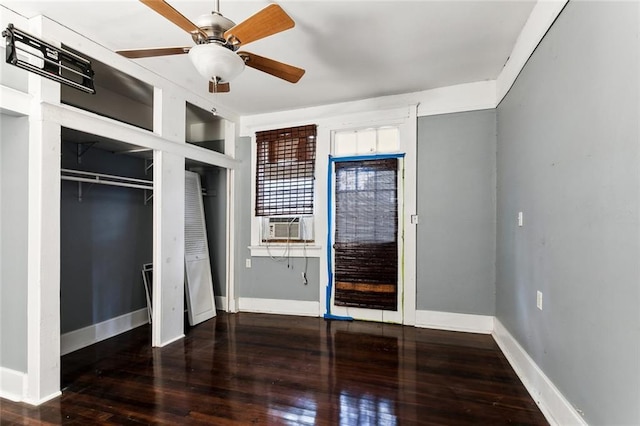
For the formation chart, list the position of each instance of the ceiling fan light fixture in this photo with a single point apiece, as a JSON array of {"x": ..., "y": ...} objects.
[
  {"x": 216, "y": 62},
  {"x": 217, "y": 39}
]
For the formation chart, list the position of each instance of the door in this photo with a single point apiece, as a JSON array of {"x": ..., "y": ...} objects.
[
  {"x": 198, "y": 280},
  {"x": 367, "y": 283}
]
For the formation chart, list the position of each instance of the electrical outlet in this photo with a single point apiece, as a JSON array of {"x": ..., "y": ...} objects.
[
  {"x": 539, "y": 300},
  {"x": 247, "y": 263}
]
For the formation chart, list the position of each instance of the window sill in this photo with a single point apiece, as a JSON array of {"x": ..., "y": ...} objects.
[{"x": 280, "y": 250}]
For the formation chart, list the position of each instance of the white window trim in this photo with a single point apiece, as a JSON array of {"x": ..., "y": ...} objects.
[{"x": 279, "y": 251}]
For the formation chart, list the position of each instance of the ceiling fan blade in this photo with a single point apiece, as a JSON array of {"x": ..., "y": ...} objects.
[
  {"x": 166, "y": 10},
  {"x": 270, "y": 20},
  {"x": 219, "y": 88},
  {"x": 153, "y": 51},
  {"x": 277, "y": 69}
]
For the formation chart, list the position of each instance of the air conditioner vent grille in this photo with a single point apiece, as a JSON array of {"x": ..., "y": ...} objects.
[{"x": 291, "y": 229}]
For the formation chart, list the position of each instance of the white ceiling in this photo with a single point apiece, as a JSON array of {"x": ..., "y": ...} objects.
[{"x": 350, "y": 49}]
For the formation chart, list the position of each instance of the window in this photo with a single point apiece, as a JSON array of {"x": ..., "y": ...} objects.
[
  {"x": 366, "y": 141},
  {"x": 285, "y": 171}
]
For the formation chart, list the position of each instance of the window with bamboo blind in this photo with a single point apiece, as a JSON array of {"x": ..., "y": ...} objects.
[{"x": 285, "y": 171}]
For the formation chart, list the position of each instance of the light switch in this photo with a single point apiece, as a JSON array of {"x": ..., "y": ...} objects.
[
  {"x": 539, "y": 300},
  {"x": 520, "y": 219}
]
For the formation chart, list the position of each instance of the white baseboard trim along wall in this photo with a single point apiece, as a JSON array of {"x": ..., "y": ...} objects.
[
  {"x": 221, "y": 303},
  {"x": 279, "y": 306},
  {"x": 455, "y": 322},
  {"x": 552, "y": 403},
  {"x": 83, "y": 337},
  {"x": 12, "y": 384}
]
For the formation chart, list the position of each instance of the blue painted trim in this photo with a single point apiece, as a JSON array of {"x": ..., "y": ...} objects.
[
  {"x": 332, "y": 159},
  {"x": 337, "y": 317},
  {"x": 328, "y": 314}
]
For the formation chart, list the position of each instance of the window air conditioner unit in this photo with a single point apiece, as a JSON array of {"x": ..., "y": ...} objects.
[
  {"x": 287, "y": 229},
  {"x": 284, "y": 228}
]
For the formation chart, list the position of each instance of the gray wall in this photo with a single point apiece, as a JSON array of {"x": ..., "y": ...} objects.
[
  {"x": 105, "y": 239},
  {"x": 214, "y": 179},
  {"x": 267, "y": 278},
  {"x": 457, "y": 211},
  {"x": 14, "y": 169},
  {"x": 568, "y": 157}
]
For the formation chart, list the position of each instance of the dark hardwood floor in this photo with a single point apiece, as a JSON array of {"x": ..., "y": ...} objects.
[{"x": 268, "y": 369}]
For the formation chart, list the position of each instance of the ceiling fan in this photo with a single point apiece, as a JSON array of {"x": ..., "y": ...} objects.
[{"x": 218, "y": 39}]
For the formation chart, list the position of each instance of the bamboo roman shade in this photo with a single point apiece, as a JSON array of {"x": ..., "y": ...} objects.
[
  {"x": 285, "y": 171},
  {"x": 366, "y": 234}
]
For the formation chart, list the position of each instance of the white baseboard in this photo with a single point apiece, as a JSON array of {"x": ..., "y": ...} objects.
[
  {"x": 37, "y": 402},
  {"x": 170, "y": 341},
  {"x": 13, "y": 384},
  {"x": 455, "y": 322},
  {"x": 552, "y": 403},
  {"x": 83, "y": 337},
  {"x": 221, "y": 303},
  {"x": 279, "y": 306}
]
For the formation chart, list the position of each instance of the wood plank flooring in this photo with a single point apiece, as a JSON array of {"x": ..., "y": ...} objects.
[{"x": 269, "y": 369}]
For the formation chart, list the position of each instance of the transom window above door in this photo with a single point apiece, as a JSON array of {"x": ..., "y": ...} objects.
[{"x": 366, "y": 141}]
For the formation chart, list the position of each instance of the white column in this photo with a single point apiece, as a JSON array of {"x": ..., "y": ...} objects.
[
  {"x": 409, "y": 143},
  {"x": 168, "y": 222},
  {"x": 230, "y": 137},
  {"x": 43, "y": 265}
]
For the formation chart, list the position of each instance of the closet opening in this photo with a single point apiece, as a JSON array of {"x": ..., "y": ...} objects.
[
  {"x": 204, "y": 128},
  {"x": 213, "y": 182},
  {"x": 207, "y": 130},
  {"x": 106, "y": 236}
]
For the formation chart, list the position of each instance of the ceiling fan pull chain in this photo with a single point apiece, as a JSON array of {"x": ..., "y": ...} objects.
[{"x": 215, "y": 96}]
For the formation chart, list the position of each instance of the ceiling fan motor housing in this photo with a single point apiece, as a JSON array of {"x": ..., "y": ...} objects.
[{"x": 214, "y": 25}]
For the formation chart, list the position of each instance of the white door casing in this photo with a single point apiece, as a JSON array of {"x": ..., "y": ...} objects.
[{"x": 405, "y": 119}]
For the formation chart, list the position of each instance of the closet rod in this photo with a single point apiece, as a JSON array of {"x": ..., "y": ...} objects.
[
  {"x": 107, "y": 182},
  {"x": 104, "y": 179},
  {"x": 101, "y": 175}
]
